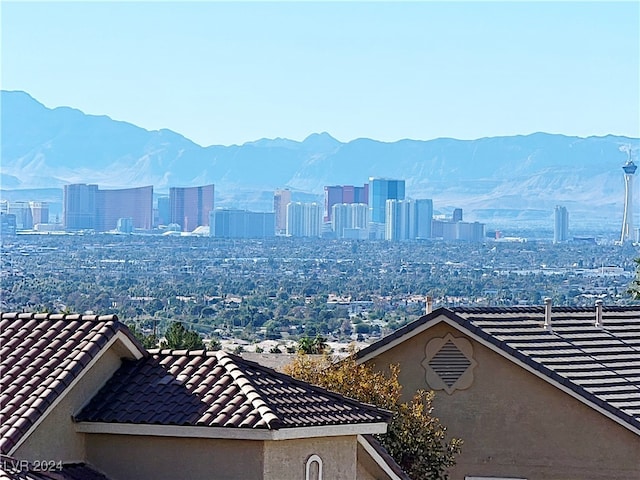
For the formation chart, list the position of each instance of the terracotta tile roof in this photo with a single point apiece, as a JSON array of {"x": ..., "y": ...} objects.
[
  {"x": 40, "y": 356},
  {"x": 599, "y": 364},
  {"x": 217, "y": 389}
]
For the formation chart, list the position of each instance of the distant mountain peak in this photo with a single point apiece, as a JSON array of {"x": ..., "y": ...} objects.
[{"x": 321, "y": 137}]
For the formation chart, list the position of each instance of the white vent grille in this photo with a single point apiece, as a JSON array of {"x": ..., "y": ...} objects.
[{"x": 449, "y": 363}]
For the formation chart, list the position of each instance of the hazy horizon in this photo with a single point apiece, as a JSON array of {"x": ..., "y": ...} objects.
[{"x": 229, "y": 73}]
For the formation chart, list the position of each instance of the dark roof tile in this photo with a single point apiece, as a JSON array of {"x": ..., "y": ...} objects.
[
  {"x": 41, "y": 356},
  {"x": 234, "y": 395}
]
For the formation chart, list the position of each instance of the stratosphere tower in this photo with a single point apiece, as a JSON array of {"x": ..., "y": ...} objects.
[{"x": 627, "y": 219}]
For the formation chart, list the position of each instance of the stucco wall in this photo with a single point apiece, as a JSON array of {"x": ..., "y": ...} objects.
[
  {"x": 55, "y": 438},
  {"x": 133, "y": 457},
  {"x": 368, "y": 469},
  {"x": 515, "y": 424},
  {"x": 286, "y": 459}
]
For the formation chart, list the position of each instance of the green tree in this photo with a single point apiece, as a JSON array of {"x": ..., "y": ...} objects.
[
  {"x": 177, "y": 337},
  {"x": 312, "y": 346},
  {"x": 147, "y": 341},
  {"x": 415, "y": 438}
]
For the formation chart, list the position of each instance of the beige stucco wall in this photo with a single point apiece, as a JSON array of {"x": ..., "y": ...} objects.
[
  {"x": 515, "y": 424},
  {"x": 55, "y": 439},
  {"x": 286, "y": 459},
  {"x": 134, "y": 457},
  {"x": 368, "y": 469}
]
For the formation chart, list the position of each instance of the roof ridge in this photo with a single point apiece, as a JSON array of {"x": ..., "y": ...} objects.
[
  {"x": 60, "y": 316},
  {"x": 320, "y": 389},
  {"x": 248, "y": 389}
]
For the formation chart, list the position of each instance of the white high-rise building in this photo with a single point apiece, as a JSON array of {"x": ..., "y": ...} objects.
[
  {"x": 304, "y": 219},
  {"x": 346, "y": 218},
  {"x": 627, "y": 219},
  {"x": 408, "y": 219},
  {"x": 397, "y": 220},
  {"x": 560, "y": 225}
]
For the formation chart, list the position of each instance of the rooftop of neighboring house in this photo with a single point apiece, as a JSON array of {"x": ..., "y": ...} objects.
[
  {"x": 43, "y": 355},
  {"x": 591, "y": 353}
]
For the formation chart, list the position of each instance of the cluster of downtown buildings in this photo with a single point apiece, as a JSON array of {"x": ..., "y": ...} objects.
[{"x": 376, "y": 210}]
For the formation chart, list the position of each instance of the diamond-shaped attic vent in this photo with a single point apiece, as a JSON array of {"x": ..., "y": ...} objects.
[{"x": 449, "y": 363}]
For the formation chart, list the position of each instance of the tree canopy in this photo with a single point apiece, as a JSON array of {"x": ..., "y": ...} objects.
[
  {"x": 415, "y": 438},
  {"x": 312, "y": 346},
  {"x": 177, "y": 337}
]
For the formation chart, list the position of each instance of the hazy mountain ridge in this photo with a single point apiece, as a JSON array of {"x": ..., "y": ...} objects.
[{"x": 44, "y": 147}]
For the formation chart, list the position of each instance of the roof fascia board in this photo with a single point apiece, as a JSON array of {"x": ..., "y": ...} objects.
[
  {"x": 118, "y": 337},
  {"x": 230, "y": 433},
  {"x": 458, "y": 326},
  {"x": 377, "y": 458}
]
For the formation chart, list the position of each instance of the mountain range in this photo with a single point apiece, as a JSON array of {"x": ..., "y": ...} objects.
[{"x": 497, "y": 180}]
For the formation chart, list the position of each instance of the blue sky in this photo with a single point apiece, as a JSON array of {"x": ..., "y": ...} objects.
[{"x": 225, "y": 73}]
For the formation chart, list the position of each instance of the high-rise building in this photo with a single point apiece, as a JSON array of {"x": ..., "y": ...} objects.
[
  {"x": 421, "y": 216},
  {"x": 337, "y": 194},
  {"x": 24, "y": 217},
  {"x": 231, "y": 223},
  {"x": 135, "y": 203},
  {"x": 86, "y": 207},
  {"x": 7, "y": 224},
  {"x": 627, "y": 219},
  {"x": 190, "y": 206},
  {"x": 408, "y": 219},
  {"x": 457, "y": 215},
  {"x": 350, "y": 220},
  {"x": 281, "y": 199},
  {"x": 79, "y": 206},
  {"x": 39, "y": 212},
  {"x": 457, "y": 231},
  {"x": 304, "y": 219},
  {"x": 560, "y": 224},
  {"x": 125, "y": 225},
  {"x": 164, "y": 211},
  {"x": 397, "y": 220},
  {"x": 381, "y": 190}
]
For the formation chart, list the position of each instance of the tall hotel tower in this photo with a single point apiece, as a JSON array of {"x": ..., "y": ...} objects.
[
  {"x": 381, "y": 190},
  {"x": 304, "y": 219},
  {"x": 135, "y": 203},
  {"x": 189, "y": 207},
  {"x": 87, "y": 207},
  {"x": 343, "y": 194},
  {"x": 79, "y": 206},
  {"x": 560, "y": 224},
  {"x": 627, "y": 220},
  {"x": 281, "y": 199}
]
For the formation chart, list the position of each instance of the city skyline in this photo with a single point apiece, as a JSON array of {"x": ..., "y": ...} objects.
[{"x": 353, "y": 69}]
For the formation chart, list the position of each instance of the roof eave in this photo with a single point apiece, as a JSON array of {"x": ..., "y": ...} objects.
[{"x": 230, "y": 433}]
